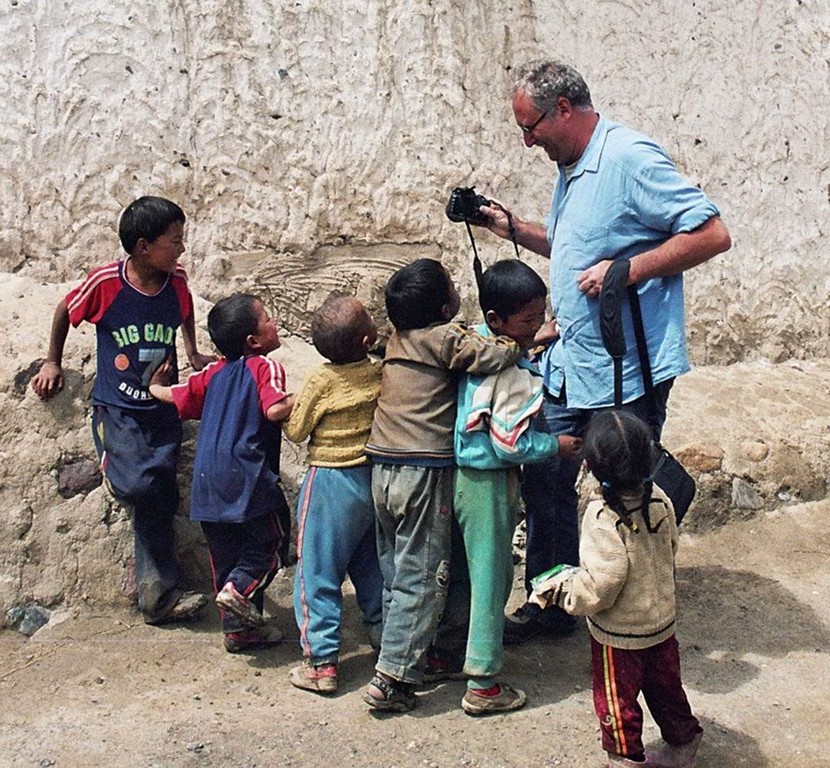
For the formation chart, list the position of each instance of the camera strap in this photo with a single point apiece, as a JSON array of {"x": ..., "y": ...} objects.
[{"x": 511, "y": 228}]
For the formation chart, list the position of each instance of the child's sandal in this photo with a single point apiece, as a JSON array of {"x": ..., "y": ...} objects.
[{"x": 395, "y": 696}]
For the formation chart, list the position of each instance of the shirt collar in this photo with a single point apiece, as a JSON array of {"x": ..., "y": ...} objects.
[{"x": 591, "y": 156}]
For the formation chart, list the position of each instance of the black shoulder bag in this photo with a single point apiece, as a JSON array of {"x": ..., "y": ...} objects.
[{"x": 667, "y": 472}]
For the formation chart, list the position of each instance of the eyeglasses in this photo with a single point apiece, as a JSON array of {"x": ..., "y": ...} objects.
[{"x": 528, "y": 129}]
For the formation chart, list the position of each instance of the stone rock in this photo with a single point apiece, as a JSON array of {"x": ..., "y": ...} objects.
[
  {"x": 19, "y": 521},
  {"x": 29, "y": 618},
  {"x": 755, "y": 450},
  {"x": 744, "y": 496},
  {"x": 788, "y": 467},
  {"x": 22, "y": 378},
  {"x": 700, "y": 457},
  {"x": 78, "y": 476}
]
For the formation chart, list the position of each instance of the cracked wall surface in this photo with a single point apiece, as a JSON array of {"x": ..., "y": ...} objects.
[{"x": 295, "y": 133}]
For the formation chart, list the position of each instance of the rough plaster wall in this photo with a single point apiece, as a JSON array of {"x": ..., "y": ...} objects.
[
  {"x": 313, "y": 146},
  {"x": 295, "y": 133}
]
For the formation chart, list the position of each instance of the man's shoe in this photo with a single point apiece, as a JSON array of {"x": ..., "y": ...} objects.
[
  {"x": 185, "y": 607},
  {"x": 320, "y": 678},
  {"x": 249, "y": 640},
  {"x": 675, "y": 757},
  {"x": 519, "y": 627},
  {"x": 231, "y": 599},
  {"x": 506, "y": 700}
]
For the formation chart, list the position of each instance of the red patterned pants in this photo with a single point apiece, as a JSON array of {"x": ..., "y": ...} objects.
[{"x": 619, "y": 676}]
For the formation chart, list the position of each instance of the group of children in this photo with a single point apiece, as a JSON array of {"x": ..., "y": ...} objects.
[{"x": 411, "y": 490}]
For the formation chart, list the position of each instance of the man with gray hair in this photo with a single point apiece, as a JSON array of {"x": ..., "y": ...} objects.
[{"x": 617, "y": 196}]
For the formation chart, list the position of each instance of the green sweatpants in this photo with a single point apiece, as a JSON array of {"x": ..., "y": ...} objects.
[{"x": 486, "y": 509}]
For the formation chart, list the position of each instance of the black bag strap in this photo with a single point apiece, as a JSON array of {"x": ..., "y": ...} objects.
[
  {"x": 610, "y": 319},
  {"x": 614, "y": 285},
  {"x": 640, "y": 335}
]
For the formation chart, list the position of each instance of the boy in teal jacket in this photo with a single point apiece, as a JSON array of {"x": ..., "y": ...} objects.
[{"x": 493, "y": 437}]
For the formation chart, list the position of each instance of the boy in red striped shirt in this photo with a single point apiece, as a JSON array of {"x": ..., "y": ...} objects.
[{"x": 137, "y": 304}]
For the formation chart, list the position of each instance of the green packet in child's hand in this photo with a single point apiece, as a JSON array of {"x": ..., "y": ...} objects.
[{"x": 549, "y": 574}]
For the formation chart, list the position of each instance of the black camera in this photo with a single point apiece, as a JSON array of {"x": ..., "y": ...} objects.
[{"x": 464, "y": 205}]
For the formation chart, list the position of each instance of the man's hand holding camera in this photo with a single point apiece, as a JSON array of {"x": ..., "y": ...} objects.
[{"x": 498, "y": 219}]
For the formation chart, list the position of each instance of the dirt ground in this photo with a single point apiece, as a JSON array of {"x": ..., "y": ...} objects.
[{"x": 101, "y": 688}]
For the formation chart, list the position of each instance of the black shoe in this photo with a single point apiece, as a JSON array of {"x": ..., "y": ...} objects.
[
  {"x": 439, "y": 669},
  {"x": 519, "y": 627},
  {"x": 184, "y": 606}
]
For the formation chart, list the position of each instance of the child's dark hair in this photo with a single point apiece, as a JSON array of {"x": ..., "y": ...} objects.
[
  {"x": 508, "y": 286},
  {"x": 416, "y": 295},
  {"x": 230, "y": 322},
  {"x": 619, "y": 450},
  {"x": 338, "y": 328},
  {"x": 148, "y": 218}
]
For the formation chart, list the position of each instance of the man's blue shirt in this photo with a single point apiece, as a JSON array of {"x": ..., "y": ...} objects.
[{"x": 623, "y": 196}]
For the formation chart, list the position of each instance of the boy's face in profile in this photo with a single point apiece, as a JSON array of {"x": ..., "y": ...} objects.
[
  {"x": 522, "y": 325},
  {"x": 163, "y": 253},
  {"x": 266, "y": 336}
]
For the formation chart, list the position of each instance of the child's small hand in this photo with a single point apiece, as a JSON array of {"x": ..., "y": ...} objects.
[
  {"x": 48, "y": 381},
  {"x": 552, "y": 591},
  {"x": 162, "y": 374},
  {"x": 547, "y": 333},
  {"x": 569, "y": 446},
  {"x": 199, "y": 361}
]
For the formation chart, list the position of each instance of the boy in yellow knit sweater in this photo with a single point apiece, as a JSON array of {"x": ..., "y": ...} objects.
[{"x": 335, "y": 514}]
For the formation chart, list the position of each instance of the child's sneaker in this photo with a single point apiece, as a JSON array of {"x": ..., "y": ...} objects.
[
  {"x": 320, "y": 678},
  {"x": 252, "y": 639},
  {"x": 503, "y": 699},
  {"x": 240, "y": 606}
]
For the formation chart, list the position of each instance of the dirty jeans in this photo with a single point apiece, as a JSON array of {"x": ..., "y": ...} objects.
[{"x": 412, "y": 507}]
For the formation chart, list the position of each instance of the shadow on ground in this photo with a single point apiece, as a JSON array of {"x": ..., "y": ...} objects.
[{"x": 756, "y": 617}]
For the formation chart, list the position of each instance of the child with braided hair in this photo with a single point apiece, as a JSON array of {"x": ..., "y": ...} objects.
[{"x": 625, "y": 588}]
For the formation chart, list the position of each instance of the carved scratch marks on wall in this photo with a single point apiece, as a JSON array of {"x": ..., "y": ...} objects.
[{"x": 296, "y": 285}]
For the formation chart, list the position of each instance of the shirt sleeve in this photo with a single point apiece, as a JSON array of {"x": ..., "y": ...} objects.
[
  {"x": 189, "y": 396},
  {"x": 183, "y": 292},
  {"x": 603, "y": 565},
  {"x": 269, "y": 376},
  {"x": 91, "y": 299},
  {"x": 308, "y": 409},
  {"x": 531, "y": 446},
  {"x": 663, "y": 199},
  {"x": 466, "y": 351}
]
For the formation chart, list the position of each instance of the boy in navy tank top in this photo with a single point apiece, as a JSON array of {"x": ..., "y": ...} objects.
[{"x": 137, "y": 304}]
